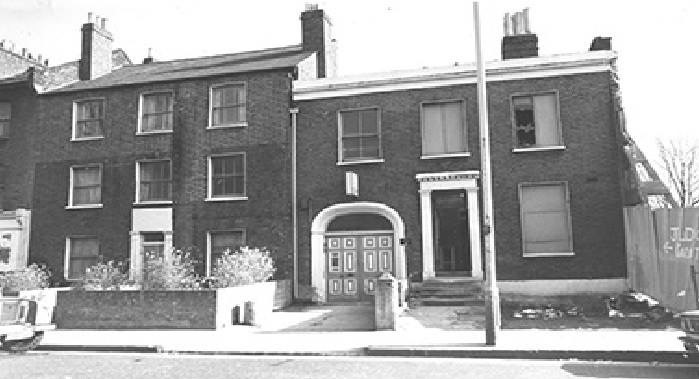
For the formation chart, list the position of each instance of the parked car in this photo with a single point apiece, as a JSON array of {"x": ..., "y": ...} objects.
[
  {"x": 19, "y": 330},
  {"x": 689, "y": 321}
]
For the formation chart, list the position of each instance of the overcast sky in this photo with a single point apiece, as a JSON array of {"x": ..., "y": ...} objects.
[{"x": 656, "y": 41}]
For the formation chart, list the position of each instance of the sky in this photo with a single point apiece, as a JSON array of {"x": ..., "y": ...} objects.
[{"x": 656, "y": 41}]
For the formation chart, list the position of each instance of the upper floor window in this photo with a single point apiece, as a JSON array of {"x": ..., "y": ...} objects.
[
  {"x": 85, "y": 186},
  {"x": 360, "y": 135},
  {"x": 443, "y": 128},
  {"x": 88, "y": 117},
  {"x": 156, "y": 112},
  {"x": 5, "y": 117},
  {"x": 536, "y": 121},
  {"x": 227, "y": 177},
  {"x": 220, "y": 241},
  {"x": 227, "y": 105},
  {"x": 82, "y": 252},
  {"x": 153, "y": 181},
  {"x": 545, "y": 215}
]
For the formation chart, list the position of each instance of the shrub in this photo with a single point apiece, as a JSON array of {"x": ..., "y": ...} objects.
[
  {"x": 246, "y": 266},
  {"x": 30, "y": 278},
  {"x": 173, "y": 270},
  {"x": 106, "y": 276}
]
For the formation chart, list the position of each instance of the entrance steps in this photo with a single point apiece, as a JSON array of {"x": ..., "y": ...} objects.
[{"x": 448, "y": 292}]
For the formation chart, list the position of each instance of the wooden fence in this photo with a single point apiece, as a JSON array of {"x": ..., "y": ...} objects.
[{"x": 661, "y": 247}]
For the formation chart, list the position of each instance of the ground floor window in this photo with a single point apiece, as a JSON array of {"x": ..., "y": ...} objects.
[
  {"x": 545, "y": 215},
  {"x": 82, "y": 253},
  {"x": 220, "y": 241},
  {"x": 153, "y": 244}
]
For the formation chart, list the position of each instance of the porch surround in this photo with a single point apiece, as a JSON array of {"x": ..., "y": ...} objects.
[
  {"x": 319, "y": 228},
  {"x": 451, "y": 180}
]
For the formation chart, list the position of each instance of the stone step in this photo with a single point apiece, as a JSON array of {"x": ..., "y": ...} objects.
[{"x": 438, "y": 301}]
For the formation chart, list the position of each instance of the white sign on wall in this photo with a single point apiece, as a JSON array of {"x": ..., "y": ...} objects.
[{"x": 351, "y": 183}]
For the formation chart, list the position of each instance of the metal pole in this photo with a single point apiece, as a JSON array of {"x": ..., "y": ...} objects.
[
  {"x": 492, "y": 298},
  {"x": 294, "y": 207}
]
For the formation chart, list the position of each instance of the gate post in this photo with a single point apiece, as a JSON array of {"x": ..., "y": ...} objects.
[{"x": 386, "y": 302}]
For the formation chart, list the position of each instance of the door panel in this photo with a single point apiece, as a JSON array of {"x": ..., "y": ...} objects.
[{"x": 354, "y": 263}]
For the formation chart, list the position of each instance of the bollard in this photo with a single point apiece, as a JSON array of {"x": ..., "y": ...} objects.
[
  {"x": 249, "y": 317},
  {"x": 235, "y": 315},
  {"x": 386, "y": 302}
]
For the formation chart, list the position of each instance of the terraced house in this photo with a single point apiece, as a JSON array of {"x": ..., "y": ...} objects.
[{"x": 342, "y": 178}]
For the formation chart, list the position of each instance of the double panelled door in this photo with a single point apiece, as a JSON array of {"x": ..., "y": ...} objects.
[{"x": 354, "y": 262}]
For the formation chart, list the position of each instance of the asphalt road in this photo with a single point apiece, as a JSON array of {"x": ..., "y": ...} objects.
[{"x": 86, "y": 365}]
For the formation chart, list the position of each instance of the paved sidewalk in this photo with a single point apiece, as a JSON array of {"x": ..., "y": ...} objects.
[{"x": 319, "y": 331}]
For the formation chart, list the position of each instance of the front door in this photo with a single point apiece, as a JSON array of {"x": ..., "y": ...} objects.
[
  {"x": 354, "y": 262},
  {"x": 451, "y": 235}
]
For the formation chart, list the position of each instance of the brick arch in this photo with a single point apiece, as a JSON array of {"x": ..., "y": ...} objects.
[{"x": 320, "y": 225}]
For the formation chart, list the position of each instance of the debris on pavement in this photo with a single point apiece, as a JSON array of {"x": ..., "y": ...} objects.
[
  {"x": 547, "y": 312},
  {"x": 632, "y": 304}
]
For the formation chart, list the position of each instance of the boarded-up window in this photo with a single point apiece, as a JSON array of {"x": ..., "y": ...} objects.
[
  {"x": 5, "y": 117},
  {"x": 156, "y": 112},
  {"x": 443, "y": 128},
  {"x": 545, "y": 219},
  {"x": 360, "y": 135},
  {"x": 87, "y": 185},
  {"x": 536, "y": 121},
  {"x": 83, "y": 253}
]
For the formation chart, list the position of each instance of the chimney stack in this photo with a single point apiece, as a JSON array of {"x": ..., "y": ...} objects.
[
  {"x": 518, "y": 40},
  {"x": 149, "y": 58},
  {"x": 96, "y": 53},
  {"x": 316, "y": 36},
  {"x": 601, "y": 43}
]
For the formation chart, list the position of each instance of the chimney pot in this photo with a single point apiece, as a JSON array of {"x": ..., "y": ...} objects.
[
  {"x": 525, "y": 14},
  {"x": 89, "y": 17},
  {"x": 104, "y": 23},
  {"x": 519, "y": 41},
  {"x": 24, "y": 51},
  {"x": 311, "y": 6},
  {"x": 46, "y": 62}
]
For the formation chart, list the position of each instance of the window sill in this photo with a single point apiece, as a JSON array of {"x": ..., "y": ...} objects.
[
  {"x": 147, "y": 203},
  {"x": 86, "y": 139},
  {"x": 532, "y": 149},
  {"x": 549, "y": 255},
  {"x": 227, "y": 126},
  {"x": 86, "y": 206},
  {"x": 232, "y": 198},
  {"x": 350, "y": 163},
  {"x": 154, "y": 132},
  {"x": 447, "y": 155}
]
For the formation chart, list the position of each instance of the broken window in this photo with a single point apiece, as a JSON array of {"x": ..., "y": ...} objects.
[{"x": 536, "y": 121}]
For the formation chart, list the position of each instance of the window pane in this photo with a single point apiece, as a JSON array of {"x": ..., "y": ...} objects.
[
  {"x": 228, "y": 176},
  {"x": 545, "y": 119},
  {"x": 524, "y": 121},
  {"x": 369, "y": 121},
  {"x": 350, "y": 123},
  {"x": 543, "y": 198},
  {"x": 86, "y": 176},
  {"x": 4, "y": 128},
  {"x": 159, "y": 170},
  {"x": 228, "y": 104},
  {"x": 221, "y": 241},
  {"x": 549, "y": 226},
  {"x": 231, "y": 115},
  {"x": 90, "y": 195},
  {"x": 83, "y": 253},
  {"x": 5, "y": 111},
  {"x": 153, "y": 237},
  {"x": 86, "y": 185},
  {"x": 454, "y": 128},
  {"x": 432, "y": 130}
]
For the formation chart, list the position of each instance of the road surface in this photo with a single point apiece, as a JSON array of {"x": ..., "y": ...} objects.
[{"x": 121, "y": 366}]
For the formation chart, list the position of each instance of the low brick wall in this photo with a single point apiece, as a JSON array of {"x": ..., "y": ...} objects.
[{"x": 136, "y": 310}]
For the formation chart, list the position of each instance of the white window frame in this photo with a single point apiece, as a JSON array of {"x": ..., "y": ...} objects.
[
  {"x": 209, "y": 246},
  {"x": 6, "y": 135},
  {"x": 66, "y": 257},
  {"x": 209, "y": 178},
  {"x": 464, "y": 125},
  {"x": 74, "y": 136},
  {"x": 138, "y": 182},
  {"x": 340, "y": 158},
  {"x": 139, "y": 130},
  {"x": 570, "y": 251},
  {"x": 211, "y": 105},
  {"x": 70, "y": 188},
  {"x": 513, "y": 122}
]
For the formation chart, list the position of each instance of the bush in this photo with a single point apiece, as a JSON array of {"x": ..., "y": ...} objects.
[
  {"x": 246, "y": 266},
  {"x": 31, "y": 278},
  {"x": 173, "y": 270},
  {"x": 106, "y": 276}
]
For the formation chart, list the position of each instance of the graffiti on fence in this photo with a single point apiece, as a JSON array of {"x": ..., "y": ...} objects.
[{"x": 682, "y": 242}]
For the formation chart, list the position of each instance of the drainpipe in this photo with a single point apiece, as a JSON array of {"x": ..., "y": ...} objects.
[{"x": 294, "y": 208}]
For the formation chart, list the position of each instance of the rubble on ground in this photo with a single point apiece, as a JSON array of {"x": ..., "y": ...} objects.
[{"x": 634, "y": 304}]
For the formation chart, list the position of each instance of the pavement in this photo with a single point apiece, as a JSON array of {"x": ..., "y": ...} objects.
[{"x": 348, "y": 330}]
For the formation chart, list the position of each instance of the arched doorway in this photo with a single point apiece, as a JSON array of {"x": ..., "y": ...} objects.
[{"x": 363, "y": 240}]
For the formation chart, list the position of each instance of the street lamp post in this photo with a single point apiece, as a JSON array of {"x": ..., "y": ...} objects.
[{"x": 492, "y": 297}]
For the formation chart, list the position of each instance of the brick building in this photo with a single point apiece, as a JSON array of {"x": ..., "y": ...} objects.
[{"x": 342, "y": 178}]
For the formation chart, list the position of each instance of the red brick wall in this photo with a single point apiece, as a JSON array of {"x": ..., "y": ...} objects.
[
  {"x": 589, "y": 164},
  {"x": 266, "y": 215}
]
